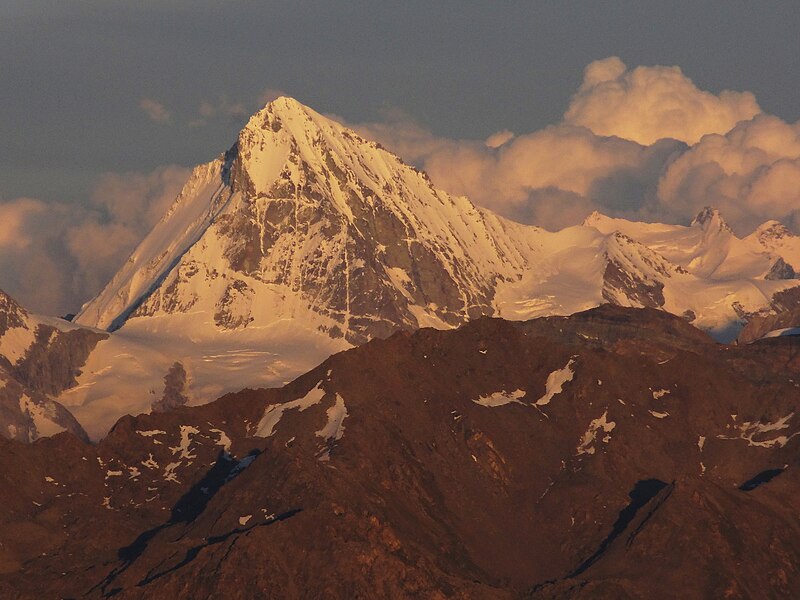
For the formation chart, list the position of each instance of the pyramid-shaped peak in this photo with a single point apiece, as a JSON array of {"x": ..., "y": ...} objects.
[
  {"x": 287, "y": 145},
  {"x": 595, "y": 217},
  {"x": 287, "y": 106},
  {"x": 11, "y": 312},
  {"x": 710, "y": 218},
  {"x": 285, "y": 111}
]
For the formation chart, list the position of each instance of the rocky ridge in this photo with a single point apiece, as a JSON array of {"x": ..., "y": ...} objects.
[
  {"x": 498, "y": 460},
  {"x": 40, "y": 357}
]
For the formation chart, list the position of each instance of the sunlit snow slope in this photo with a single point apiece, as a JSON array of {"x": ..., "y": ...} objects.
[{"x": 304, "y": 238}]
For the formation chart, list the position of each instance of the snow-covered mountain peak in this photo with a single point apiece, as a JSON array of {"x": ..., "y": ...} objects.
[
  {"x": 710, "y": 219},
  {"x": 304, "y": 216},
  {"x": 286, "y": 148},
  {"x": 595, "y": 219},
  {"x": 12, "y": 315},
  {"x": 772, "y": 230}
]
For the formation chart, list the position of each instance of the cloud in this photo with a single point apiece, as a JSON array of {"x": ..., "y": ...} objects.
[
  {"x": 646, "y": 104},
  {"x": 13, "y": 218},
  {"x": 224, "y": 108},
  {"x": 498, "y": 139},
  {"x": 155, "y": 110},
  {"x": 54, "y": 256},
  {"x": 752, "y": 174},
  {"x": 552, "y": 177},
  {"x": 642, "y": 143}
]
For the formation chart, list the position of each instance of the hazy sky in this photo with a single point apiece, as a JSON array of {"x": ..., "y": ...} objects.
[
  {"x": 74, "y": 72},
  {"x": 542, "y": 111}
]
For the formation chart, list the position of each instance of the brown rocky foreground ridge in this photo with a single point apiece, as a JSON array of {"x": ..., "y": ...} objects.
[{"x": 616, "y": 453}]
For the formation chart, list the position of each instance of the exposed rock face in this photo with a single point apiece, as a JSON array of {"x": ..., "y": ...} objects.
[
  {"x": 12, "y": 315},
  {"x": 634, "y": 274},
  {"x": 785, "y": 314},
  {"x": 616, "y": 453},
  {"x": 27, "y": 415},
  {"x": 710, "y": 219},
  {"x": 780, "y": 270},
  {"x": 53, "y": 362},
  {"x": 38, "y": 360},
  {"x": 174, "y": 389}
]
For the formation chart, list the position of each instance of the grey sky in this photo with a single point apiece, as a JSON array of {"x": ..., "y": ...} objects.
[{"x": 73, "y": 72}]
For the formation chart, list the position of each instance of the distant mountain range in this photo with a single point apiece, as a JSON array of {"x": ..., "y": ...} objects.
[
  {"x": 320, "y": 376},
  {"x": 305, "y": 239}
]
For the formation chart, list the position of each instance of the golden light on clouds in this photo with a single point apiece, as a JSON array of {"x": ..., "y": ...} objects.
[
  {"x": 643, "y": 143},
  {"x": 647, "y": 104}
]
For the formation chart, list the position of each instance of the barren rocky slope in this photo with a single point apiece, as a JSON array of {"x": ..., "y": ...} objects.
[
  {"x": 616, "y": 453},
  {"x": 39, "y": 358}
]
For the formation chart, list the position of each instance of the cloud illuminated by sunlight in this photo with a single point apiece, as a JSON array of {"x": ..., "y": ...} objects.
[{"x": 646, "y": 104}]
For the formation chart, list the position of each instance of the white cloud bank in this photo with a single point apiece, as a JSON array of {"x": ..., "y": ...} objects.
[
  {"x": 641, "y": 143},
  {"x": 55, "y": 256},
  {"x": 647, "y": 104}
]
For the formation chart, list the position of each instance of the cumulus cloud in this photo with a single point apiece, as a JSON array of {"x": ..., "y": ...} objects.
[
  {"x": 499, "y": 138},
  {"x": 642, "y": 143},
  {"x": 13, "y": 217},
  {"x": 552, "y": 177},
  {"x": 752, "y": 174},
  {"x": 646, "y": 104},
  {"x": 155, "y": 110},
  {"x": 54, "y": 256}
]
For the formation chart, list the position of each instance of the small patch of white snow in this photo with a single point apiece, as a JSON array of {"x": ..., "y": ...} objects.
[
  {"x": 748, "y": 431},
  {"x": 555, "y": 383},
  {"x": 274, "y": 412},
  {"x": 187, "y": 432},
  {"x": 151, "y": 433},
  {"x": 658, "y": 415},
  {"x": 501, "y": 398},
  {"x": 334, "y": 428},
  {"x": 587, "y": 441}
]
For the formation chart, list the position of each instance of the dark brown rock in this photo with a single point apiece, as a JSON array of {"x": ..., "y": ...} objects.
[{"x": 690, "y": 493}]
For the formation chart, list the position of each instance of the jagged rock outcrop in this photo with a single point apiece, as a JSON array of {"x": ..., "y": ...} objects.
[
  {"x": 39, "y": 358},
  {"x": 784, "y": 314},
  {"x": 174, "y": 395},
  {"x": 780, "y": 270}
]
